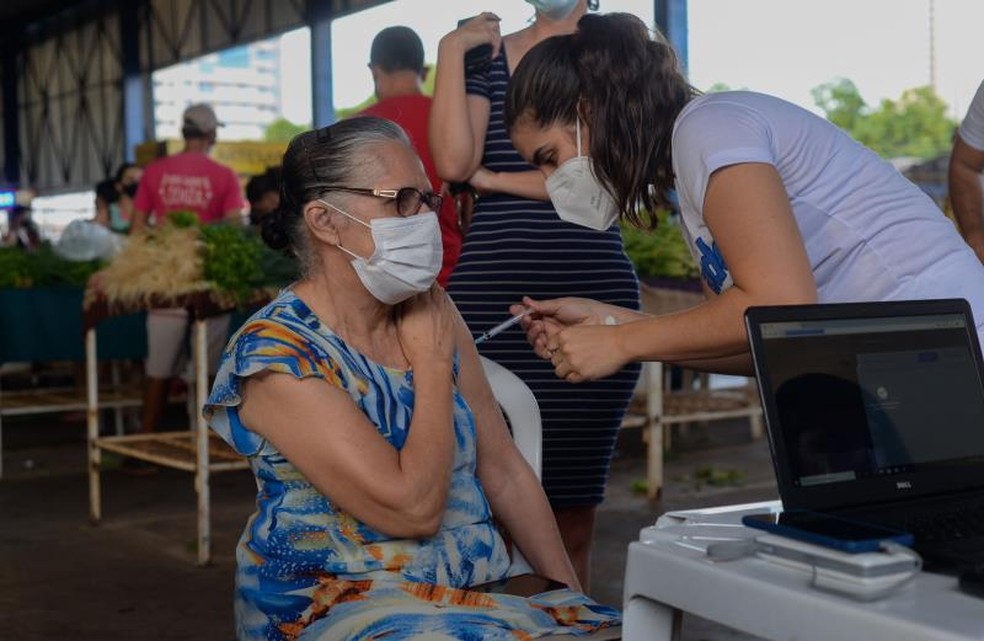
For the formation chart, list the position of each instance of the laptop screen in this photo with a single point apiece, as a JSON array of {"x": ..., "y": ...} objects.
[{"x": 870, "y": 401}]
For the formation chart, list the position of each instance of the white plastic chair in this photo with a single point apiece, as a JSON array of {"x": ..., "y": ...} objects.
[{"x": 520, "y": 407}]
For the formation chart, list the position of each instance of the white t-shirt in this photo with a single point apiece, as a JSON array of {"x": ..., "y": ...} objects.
[
  {"x": 870, "y": 234},
  {"x": 972, "y": 127}
]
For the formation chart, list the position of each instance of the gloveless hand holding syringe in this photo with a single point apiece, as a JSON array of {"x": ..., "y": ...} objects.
[{"x": 503, "y": 326}]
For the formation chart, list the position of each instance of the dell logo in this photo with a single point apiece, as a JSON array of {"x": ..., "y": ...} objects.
[{"x": 903, "y": 485}]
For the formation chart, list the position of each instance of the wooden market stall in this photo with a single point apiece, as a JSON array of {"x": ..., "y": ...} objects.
[
  {"x": 44, "y": 325},
  {"x": 196, "y": 450},
  {"x": 695, "y": 399}
]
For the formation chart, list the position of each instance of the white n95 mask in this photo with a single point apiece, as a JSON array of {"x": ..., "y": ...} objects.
[
  {"x": 407, "y": 257},
  {"x": 578, "y": 195}
]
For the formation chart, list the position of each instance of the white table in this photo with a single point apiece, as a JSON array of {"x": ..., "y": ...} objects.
[{"x": 667, "y": 573}]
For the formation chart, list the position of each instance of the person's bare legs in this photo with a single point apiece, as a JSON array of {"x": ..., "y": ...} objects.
[
  {"x": 577, "y": 529},
  {"x": 154, "y": 398},
  {"x": 166, "y": 338}
]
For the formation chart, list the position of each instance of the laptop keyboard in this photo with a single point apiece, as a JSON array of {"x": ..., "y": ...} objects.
[{"x": 967, "y": 522}]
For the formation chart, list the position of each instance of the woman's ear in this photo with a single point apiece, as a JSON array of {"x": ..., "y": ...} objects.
[{"x": 320, "y": 219}]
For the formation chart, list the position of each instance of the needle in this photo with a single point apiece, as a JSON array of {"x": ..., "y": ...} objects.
[{"x": 503, "y": 326}]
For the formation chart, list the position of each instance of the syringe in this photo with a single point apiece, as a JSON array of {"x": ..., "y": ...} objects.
[{"x": 503, "y": 326}]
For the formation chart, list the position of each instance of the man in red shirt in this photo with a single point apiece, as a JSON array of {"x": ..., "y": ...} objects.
[
  {"x": 396, "y": 61},
  {"x": 190, "y": 180},
  {"x": 186, "y": 181}
]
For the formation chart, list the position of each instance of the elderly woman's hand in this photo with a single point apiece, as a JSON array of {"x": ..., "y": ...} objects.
[{"x": 427, "y": 327}]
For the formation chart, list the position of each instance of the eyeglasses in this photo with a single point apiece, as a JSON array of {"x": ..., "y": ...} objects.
[{"x": 409, "y": 200}]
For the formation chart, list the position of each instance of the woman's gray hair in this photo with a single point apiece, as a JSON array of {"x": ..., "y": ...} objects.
[{"x": 315, "y": 161}]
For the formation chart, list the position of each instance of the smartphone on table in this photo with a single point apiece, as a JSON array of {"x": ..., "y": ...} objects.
[
  {"x": 847, "y": 535},
  {"x": 520, "y": 585}
]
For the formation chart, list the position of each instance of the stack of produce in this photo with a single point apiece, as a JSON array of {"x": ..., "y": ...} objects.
[
  {"x": 164, "y": 263},
  {"x": 20, "y": 269},
  {"x": 180, "y": 257}
]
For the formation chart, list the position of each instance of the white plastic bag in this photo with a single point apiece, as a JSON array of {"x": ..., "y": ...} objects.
[{"x": 84, "y": 240}]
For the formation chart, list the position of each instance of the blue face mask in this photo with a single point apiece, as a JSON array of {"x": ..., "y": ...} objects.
[{"x": 554, "y": 9}]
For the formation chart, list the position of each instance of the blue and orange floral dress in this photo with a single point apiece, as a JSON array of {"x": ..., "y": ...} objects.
[{"x": 309, "y": 570}]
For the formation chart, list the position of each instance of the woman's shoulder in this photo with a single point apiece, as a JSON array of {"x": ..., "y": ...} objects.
[
  {"x": 286, "y": 328},
  {"x": 730, "y": 105},
  {"x": 719, "y": 120},
  {"x": 282, "y": 337},
  {"x": 285, "y": 314},
  {"x": 716, "y": 104}
]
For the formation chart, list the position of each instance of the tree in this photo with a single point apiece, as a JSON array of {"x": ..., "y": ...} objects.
[
  {"x": 842, "y": 103},
  {"x": 282, "y": 130},
  {"x": 915, "y": 125},
  {"x": 718, "y": 87}
]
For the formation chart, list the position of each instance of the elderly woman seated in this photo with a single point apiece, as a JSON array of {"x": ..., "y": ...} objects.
[{"x": 380, "y": 454}]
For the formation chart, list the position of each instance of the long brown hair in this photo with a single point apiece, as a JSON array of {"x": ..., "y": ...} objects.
[{"x": 627, "y": 86}]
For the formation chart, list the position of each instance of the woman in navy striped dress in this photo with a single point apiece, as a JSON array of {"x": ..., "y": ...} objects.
[{"x": 517, "y": 246}]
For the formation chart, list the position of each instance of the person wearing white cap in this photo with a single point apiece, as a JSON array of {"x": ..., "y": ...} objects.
[
  {"x": 186, "y": 181},
  {"x": 190, "y": 180}
]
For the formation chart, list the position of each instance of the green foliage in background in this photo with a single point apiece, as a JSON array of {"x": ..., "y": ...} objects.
[
  {"x": 915, "y": 125},
  {"x": 342, "y": 114},
  {"x": 427, "y": 89},
  {"x": 717, "y": 477},
  {"x": 232, "y": 259},
  {"x": 237, "y": 261},
  {"x": 42, "y": 268},
  {"x": 282, "y": 130},
  {"x": 182, "y": 219},
  {"x": 661, "y": 252},
  {"x": 235, "y": 258}
]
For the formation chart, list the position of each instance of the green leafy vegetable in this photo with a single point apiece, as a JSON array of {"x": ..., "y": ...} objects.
[
  {"x": 42, "y": 268},
  {"x": 182, "y": 219},
  {"x": 237, "y": 261}
]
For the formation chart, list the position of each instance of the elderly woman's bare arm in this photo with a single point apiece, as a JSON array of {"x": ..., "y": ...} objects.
[
  {"x": 319, "y": 429},
  {"x": 513, "y": 490}
]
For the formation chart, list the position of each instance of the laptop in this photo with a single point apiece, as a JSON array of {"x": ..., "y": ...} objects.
[{"x": 875, "y": 411}]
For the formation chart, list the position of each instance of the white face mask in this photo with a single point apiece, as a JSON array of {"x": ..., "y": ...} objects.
[
  {"x": 578, "y": 195},
  {"x": 554, "y": 9},
  {"x": 407, "y": 257}
]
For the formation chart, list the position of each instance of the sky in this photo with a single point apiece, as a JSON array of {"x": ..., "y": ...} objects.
[
  {"x": 352, "y": 35},
  {"x": 787, "y": 47},
  {"x": 782, "y": 47}
]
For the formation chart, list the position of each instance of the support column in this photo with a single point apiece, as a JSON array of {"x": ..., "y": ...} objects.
[
  {"x": 671, "y": 19},
  {"x": 319, "y": 15},
  {"x": 11, "y": 118},
  {"x": 137, "y": 92}
]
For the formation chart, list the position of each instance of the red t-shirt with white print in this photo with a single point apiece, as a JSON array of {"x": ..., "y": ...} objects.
[{"x": 189, "y": 181}]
